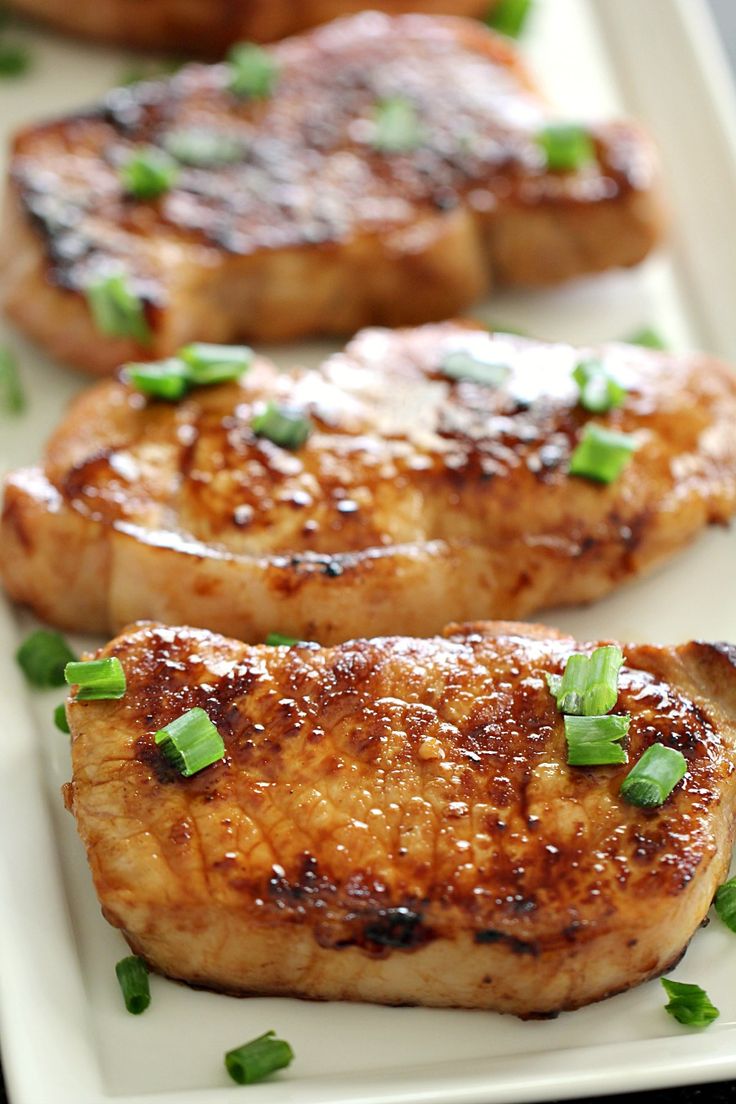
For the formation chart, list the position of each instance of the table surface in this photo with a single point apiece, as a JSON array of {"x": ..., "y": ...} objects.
[{"x": 721, "y": 1092}]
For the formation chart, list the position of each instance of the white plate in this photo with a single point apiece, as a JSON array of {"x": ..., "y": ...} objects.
[{"x": 66, "y": 1037}]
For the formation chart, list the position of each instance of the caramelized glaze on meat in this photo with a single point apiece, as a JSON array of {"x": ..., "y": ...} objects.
[
  {"x": 312, "y": 229},
  {"x": 415, "y": 500},
  {"x": 395, "y": 821}
]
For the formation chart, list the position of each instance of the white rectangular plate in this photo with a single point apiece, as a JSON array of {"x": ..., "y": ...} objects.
[{"x": 66, "y": 1037}]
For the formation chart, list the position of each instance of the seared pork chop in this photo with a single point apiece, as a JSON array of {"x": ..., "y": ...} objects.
[
  {"x": 417, "y": 499},
  {"x": 208, "y": 27},
  {"x": 392, "y": 175},
  {"x": 394, "y": 819}
]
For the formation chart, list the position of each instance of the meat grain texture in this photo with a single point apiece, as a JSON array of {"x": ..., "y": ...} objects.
[
  {"x": 417, "y": 499},
  {"x": 395, "y": 820},
  {"x": 208, "y": 27},
  {"x": 309, "y": 227}
]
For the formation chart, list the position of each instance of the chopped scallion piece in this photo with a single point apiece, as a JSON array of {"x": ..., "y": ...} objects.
[
  {"x": 509, "y": 16},
  {"x": 161, "y": 379},
  {"x": 725, "y": 902},
  {"x": 60, "y": 719},
  {"x": 148, "y": 173},
  {"x": 132, "y": 975},
  {"x": 12, "y": 396},
  {"x": 651, "y": 781},
  {"x": 116, "y": 309},
  {"x": 601, "y": 690},
  {"x": 97, "y": 679},
  {"x": 209, "y": 364},
  {"x": 593, "y": 741},
  {"x": 15, "y": 60},
  {"x": 257, "y": 1059},
  {"x": 277, "y": 640},
  {"x": 283, "y": 425},
  {"x": 398, "y": 128},
  {"x": 43, "y": 656},
  {"x": 647, "y": 337},
  {"x": 602, "y": 454},
  {"x": 566, "y": 146},
  {"x": 589, "y": 685},
  {"x": 254, "y": 71},
  {"x": 689, "y": 1004},
  {"x": 203, "y": 149},
  {"x": 461, "y": 365},
  {"x": 191, "y": 742},
  {"x": 599, "y": 392}
]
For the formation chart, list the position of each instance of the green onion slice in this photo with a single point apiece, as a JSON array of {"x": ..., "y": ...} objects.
[
  {"x": 191, "y": 742},
  {"x": 15, "y": 60},
  {"x": 209, "y": 364},
  {"x": 589, "y": 685},
  {"x": 43, "y": 656},
  {"x": 566, "y": 146},
  {"x": 593, "y": 741},
  {"x": 599, "y": 391},
  {"x": 651, "y": 781},
  {"x": 202, "y": 148},
  {"x": 725, "y": 902},
  {"x": 149, "y": 173},
  {"x": 509, "y": 16},
  {"x": 97, "y": 679},
  {"x": 648, "y": 337},
  {"x": 255, "y": 1060},
  {"x": 460, "y": 365},
  {"x": 602, "y": 454},
  {"x": 397, "y": 126},
  {"x": 283, "y": 425},
  {"x": 689, "y": 1004},
  {"x": 60, "y": 719},
  {"x": 12, "y": 396},
  {"x": 161, "y": 379},
  {"x": 132, "y": 975},
  {"x": 116, "y": 309},
  {"x": 254, "y": 71},
  {"x": 277, "y": 640}
]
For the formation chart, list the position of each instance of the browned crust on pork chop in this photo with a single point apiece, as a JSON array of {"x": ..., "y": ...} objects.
[
  {"x": 395, "y": 819},
  {"x": 313, "y": 230},
  {"x": 415, "y": 500}
]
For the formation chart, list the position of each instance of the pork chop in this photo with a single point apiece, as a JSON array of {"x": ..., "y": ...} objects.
[
  {"x": 417, "y": 498},
  {"x": 391, "y": 177},
  {"x": 208, "y": 27},
  {"x": 394, "y": 819}
]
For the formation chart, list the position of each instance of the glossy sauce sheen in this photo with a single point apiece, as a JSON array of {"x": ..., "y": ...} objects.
[
  {"x": 393, "y": 237},
  {"x": 400, "y": 794},
  {"x": 416, "y": 498}
]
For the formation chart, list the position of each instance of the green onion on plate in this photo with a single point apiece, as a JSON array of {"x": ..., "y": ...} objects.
[
  {"x": 566, "y": 147},
  {"x": 257, "y": 1059},
  {"x": 12, "y": 395},
  {"x": 132, "y": 975},
  {"x": 149, "y": 173},
  {"x": 283, "y": 425},
  {"x": 594, "y": 741},
  {"x": 397, "y": 126},
  {"x": 43, "y": 657},
  {"x": 599, "y": 391},
  {"x": 689, "y": 1004},
  {"x": 509, "y": 16},
  {"x": 463, "y": 366},
  {"x": 97, "y": 679},
  {"x": 253, "y": 71},
  {"x": 725, "y": 902},
  {"x": 651, "y": 781},
  {"x": 191, "y": 742},
  {"x": 116, "y": 309},
  {"x": 601, "y": 454}
]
